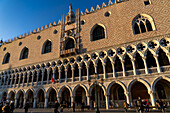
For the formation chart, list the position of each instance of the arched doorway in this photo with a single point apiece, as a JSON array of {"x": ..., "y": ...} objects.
[
  {"x": 100, "y": 95},
  {"x": 162, "y": 90},
  {"x": 138, "y": 89},
  {"x": 12, "y": 96},
  {"x": 20, "y": 99},
  {"x": 41, "y": 99},
  {"x": 116, "y": 97},
  {"x": 52, "y": 98},
  {"x": 65, "y": 98},
  {"x": 80, "y": 96},
  {"x": 30, "y": 99}
]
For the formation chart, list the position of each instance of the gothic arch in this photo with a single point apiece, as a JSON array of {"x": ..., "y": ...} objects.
[
  {"x": 49, "y": 89},
  {"x": 61, "y": 89},
  {"x": 21, "y": 90},
  {"x": 146, "y": 83},
  {"x": 24, "y": 53},
  {"x": 80, "y": 85},
  {"x": 44, "y": 46},
  {"x": 26, "y": 93},
  {"x": 37, "y": 91},
  {"x": 101, "y": 85},
  {"x": 93, "y": 28},
  {"x": 156, "y": 80},
  {"x": 6, "y": 58},
  {"x": 116, "y": 82}
]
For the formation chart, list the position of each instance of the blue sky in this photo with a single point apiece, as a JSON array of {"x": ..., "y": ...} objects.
[{"x": 21, "y": 16}]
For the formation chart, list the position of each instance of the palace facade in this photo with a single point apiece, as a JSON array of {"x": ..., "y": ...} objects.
[{"x": 126, "y": 42}]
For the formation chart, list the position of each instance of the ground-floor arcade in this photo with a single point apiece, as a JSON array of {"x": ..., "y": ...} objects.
[{"x": 110, "y": 94}]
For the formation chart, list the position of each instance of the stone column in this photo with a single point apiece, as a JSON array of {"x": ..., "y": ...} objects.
[
  {"x": 168, "y": 55},
  {"x": 123, "y": 67},
  {"x": 95, "y": 68},
  {"x": 107, "y": 101},
  {"x": 157, "y": 63},
  {"x": 28, "y": 77},
  {"x": 35, "y": 102},
  {"x": 88, "y": 76},
  {"x": 59, "y": 75},
  {"x": 25, "y": 101},
  {"x": 19, "y": 80},
  {"x": 58, "y": 98},
  {"x": 8, "y": 80},
  {"x": 16, "y": 101},
  {"x": 72, "y": 100},
  {"x": 145, "y": 64},
  {"x": 38, "y": 73},
  {"x": 127, "y": 94},
  {"x": 12, "y": 77},
  {"x": 15, "y": 80},
  {"x": 24, "y": 75},
  {"x": 88, "y": 101},
  {"x": 33, "y": 74},
  {"x": 1, "y": 79},
  {"x": 134, "y": 67},
  {"x": 42, "y": 76},
  {"x": 73, "y": 74},
  {"x": 113, "y": 68},
  {"x": 104, "y": 71},
  {"x": 80, "y": 77},
  {"x": 4, "y": 80},
  {"x": 46, "y": 102},
  {"x": 66, "y": 75},
  {"x": 152, "y": 96},
  {"x": 48, "y": 74}
]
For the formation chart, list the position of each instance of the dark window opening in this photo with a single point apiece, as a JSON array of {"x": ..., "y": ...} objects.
[
  {"x": 128, "y": 63},
  {"x": 118, "y": 64},
  {"x": 150, "y": 60},
  {"x": 83, "y": 70},
  {"x": 69, "y": 44},
  {"x": 91, "y": 68},
  {"x": 163, "y": 59},
  {"x": 98, "y": 33},
  {"x": 139, "y": 62},
  {"x": 121, "y": 94},
  {"x": 136, "y": 28},
  {"x": 24, "y": 54},
  {"x": 99, "y": 67},
  {"x": 146, "y": 2},
  {"x": 161, "y": 92},
  {"x": 142, "y": 27},
  {"x": 47, "y": 47},
  {"x": 148, "y": 25},
  {"x": 6, "y": 58}
]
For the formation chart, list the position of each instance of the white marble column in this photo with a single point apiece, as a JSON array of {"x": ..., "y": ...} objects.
[
  {"x": 127, "y": 94},
  {"x": 46, "y": 102},
  {"x": 134, "y": 67},
  {"x": 80, "y": 77},
  {"x": 38, "y": 73},
  {"x": 4, "y": 80},
  {"x": 113, "y": 68},
  {"x": 73, "y": 74},
  {"x": 19, "y": 80},
  {"x": 66, "y": 75},
  {"x": 107, "y": 101},
  {"x": 16, "y": 101},
  {"x": 152, "y": 96},
  {"x": 59, "y": 75},
  {"x": 88, "y": 101},
  {"x": 95, "y": 68},
  {"x": 28, "y": 77},
  {"x": 33, "y": 74},
  {"x": 35, "y": 102},
  {"x": 12, "y": 77},
  {"x": 1, "y": 79},
  {"x": 15, "y": 80},
  {"x": 104, "y": 71},
  {"x": 8, "y": 80},
  {"x": 157, "y": 63},
  {"x": 123, "y": 67},
  {"x": 72, "y": 100},
  {"x": 42, "y": 76},
  {"x": 48, "y": 74},
  {"x": 58, "y": 98},
  {"x": 145, "y": 64},
  {"x": 23, "y": 82},
  {"x": 25, "y": 101}
]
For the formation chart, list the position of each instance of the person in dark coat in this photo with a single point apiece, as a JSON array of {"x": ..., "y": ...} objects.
[
  {"x": 82, "y": 107},
  {"x": 12, "y": 106},
  {"x": 74, "y": 107},
  {"x": 26, "y": 107},
  {"x": 6, "y": 108},
  {"x": 56, "y": 107}
]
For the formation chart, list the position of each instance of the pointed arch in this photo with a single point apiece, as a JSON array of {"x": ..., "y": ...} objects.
[
  {"x": 69, "y": 44},
  {"x": 162, "y": 58},
  {"x": 109, "y": 68},
  {"x": 118, "y": 64},
  {"x": 62, "y": 88},
  {"x": 80, "y": 85},
  {"x": 24, "y": 53},
  {"x": 69, "y": 71},
  {"x": 150, "y": 60},
  {"x": 83, "y": 69},
  {"x": 128, "y": 63},
  {"x": 6, "y": 58},
  {"x": 139, "y": 64},
  {"x": 47, "y": 47},
  {"x": 91, "y": 68},
  {"x": 99, "y": 67},
  {"x": 49, "y": 89}
]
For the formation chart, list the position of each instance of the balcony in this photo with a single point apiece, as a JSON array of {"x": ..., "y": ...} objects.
[{"x": 67, "y": 52}]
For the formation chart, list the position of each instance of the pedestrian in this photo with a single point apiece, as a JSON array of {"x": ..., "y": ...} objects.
[
  {"x": 1, "y": 105},
  {"x": 6, "y": 108},
  {"x": 146, "y": 105},
  {"x": 26, "y": 107},
  {"x": 125, "y": 106},
  {"x": 139, "y": 105},
  {"x": 161, "y": 105},
  {"x": 12, "y": 106},
  {"x": 74, "y": 107},
  {"x": 57, "y": 105}
]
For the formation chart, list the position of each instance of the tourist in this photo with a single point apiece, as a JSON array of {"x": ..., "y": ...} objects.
[
  {"x": 57, "y": 105},
  {"x": 146, "y": 105},
  {"x": 82, "y": 107},
  {"x": 1, "y": 105},
  {"x": 12, "y": 106},
  {"x": 74, "y": 107},
  {"x": 125, "y": 106},
  {"x": 26, "y": 107},
  {"x": 6, "y": 108},
  {"x": 139, "y": 105}
]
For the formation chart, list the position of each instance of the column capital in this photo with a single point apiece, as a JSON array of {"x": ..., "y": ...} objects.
[
  {"x": 133, "y": 59},
  {"x": 151, "y": 92},
  {"x": 144, "y": 58},
  {"x": 155, "y": 56},
  {"x": 122, "y": 61}
]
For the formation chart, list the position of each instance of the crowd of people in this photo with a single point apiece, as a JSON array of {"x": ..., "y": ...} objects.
[
  {"x": 7, "y": 107},
  {"x": 142, "y": 105}
]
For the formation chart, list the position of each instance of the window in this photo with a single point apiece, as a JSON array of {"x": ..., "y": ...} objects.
[
  {"x": 69, "y": 44},
  {"x": 98, "y": 33},
  {"x": 47, "y": 47},
  {"x": 6, "y": 58},
  {"x": 142, "y": 23},
  {"x": 147, "y": 2},
  {"x": 24, "y": 53}
]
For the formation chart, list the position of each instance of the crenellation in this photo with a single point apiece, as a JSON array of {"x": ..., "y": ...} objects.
[
  {"x": 92, "y": 9},
  {"x": 103, "y": 5},
  {"x": 97, "y": 7}
]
